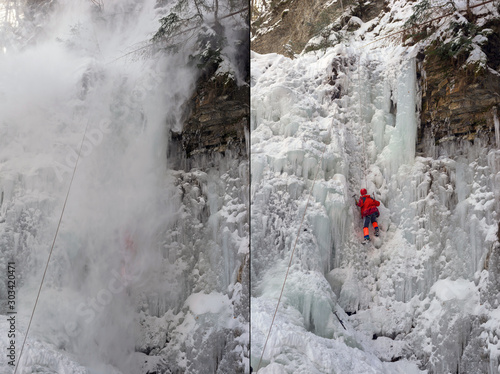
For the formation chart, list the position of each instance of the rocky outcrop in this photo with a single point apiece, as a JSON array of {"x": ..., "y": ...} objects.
[
  {"x": 290, "y": 24},
  {"x": 216, "y": 117},
  {"x": 217, "y": 122},
  {"x": 219, "y": 117},
  {"x": 459, "y": 103}
]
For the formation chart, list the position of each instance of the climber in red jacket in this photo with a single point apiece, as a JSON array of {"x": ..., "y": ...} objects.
[{"x": 369, "y": 212}]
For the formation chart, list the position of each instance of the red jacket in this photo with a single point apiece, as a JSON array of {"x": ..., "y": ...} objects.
[{"x": 368, "y": 205}]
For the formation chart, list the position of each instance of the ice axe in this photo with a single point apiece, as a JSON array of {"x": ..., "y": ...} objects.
[{"x": 342, "y": 323}]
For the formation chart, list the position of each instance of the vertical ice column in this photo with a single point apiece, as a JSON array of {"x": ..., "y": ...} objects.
[
  {"x": 406, "y": 118},
  {"x": 401, "y": 148},
  {"x": 496, "y": 121}
]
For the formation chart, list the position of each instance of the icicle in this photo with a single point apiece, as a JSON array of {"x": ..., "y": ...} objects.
[
  {"x": 401, "y": 147},
  {"x": 497, "y": 126}
]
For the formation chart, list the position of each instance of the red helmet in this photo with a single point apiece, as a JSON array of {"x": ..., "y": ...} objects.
[{"x": 363, "y": 191}]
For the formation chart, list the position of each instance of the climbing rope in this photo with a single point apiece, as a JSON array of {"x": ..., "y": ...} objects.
[
  {"x": 291, "y": 257},
  {"x": 303, "y": 217},
  {"x": 365, "y": 163},
  {"x": 302, "y": 221},
  {"x": 51, "y": 248}
]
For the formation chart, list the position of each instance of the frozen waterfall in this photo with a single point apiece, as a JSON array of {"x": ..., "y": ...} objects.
[{"x": 412, "y": 301}]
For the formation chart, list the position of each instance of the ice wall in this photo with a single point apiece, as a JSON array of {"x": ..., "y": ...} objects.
[{"x": 301, "y": 126}]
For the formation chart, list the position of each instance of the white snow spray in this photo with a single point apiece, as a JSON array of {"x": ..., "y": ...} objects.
[{"x": 54, "y": 83}]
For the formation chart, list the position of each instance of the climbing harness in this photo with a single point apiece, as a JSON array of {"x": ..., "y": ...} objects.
[
  {"x": 52, "y": 248},
  {"x": 291, "y": 257}
]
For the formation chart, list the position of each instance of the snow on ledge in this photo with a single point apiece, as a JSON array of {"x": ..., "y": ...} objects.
[
  {"x": 200, "y": 303},
  {"x": 460, "y": 289}
]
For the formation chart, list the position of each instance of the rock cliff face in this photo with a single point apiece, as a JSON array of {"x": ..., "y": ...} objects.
[
  {"x": 459, "y": 103},
  {"x": 219, "y": 117},
  {"x": 290, "y": 24},
  {"x": 217, "y": 121}
]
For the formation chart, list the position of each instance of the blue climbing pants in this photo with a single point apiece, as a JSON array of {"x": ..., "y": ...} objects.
[{"x": 371, "y": 218}]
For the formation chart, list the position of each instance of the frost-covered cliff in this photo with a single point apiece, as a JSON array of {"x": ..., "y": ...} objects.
[{"x": 424, "y": 296}]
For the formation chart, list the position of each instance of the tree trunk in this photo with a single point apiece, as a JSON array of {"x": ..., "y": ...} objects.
[{"x": 469, "y": 12}]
